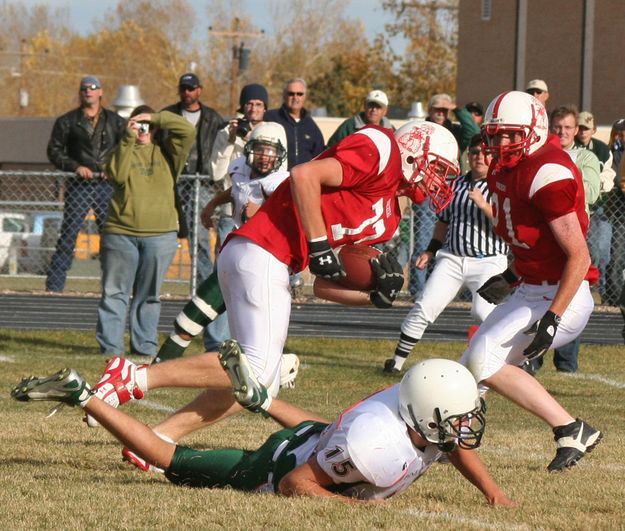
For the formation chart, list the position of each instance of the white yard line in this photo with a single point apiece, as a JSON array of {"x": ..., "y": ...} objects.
[
  {"x": 461, "y": 520},
  {"x": 7, "y": 359},
  {"x": 597, "y": 378}
]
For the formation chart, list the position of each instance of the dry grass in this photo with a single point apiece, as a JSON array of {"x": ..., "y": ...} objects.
[{"x": 58, "y": 474}]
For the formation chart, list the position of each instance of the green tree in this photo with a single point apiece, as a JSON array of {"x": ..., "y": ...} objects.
[{"x": 429, "y": 63}]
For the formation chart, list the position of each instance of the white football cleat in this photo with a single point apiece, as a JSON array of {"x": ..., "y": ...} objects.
[{"x": 289, "y": 368}]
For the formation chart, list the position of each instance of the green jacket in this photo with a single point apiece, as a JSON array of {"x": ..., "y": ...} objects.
[
  {"x": 351, "y": 125},
  {"x": 143, "y": 201}
]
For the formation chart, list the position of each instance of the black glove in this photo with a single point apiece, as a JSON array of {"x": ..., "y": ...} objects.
[
  {"x": 544, "y": 330},
  {"x": 389, "y": 279},
  {"x": 324, "y": 262},
  {"x": 498, "y": 287}
]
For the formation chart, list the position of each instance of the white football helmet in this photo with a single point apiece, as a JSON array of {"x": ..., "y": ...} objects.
[
  {"x": 268, "y": 138},
  {"x": 509, "y": 113},
  {"x": 439, "y": 399},
  {"x": 429, "y": 156}
]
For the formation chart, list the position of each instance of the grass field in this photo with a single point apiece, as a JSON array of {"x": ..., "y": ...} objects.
[{"x": 58, "y": 474}]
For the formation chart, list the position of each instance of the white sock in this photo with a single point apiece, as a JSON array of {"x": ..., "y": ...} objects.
[
  {"x": 141, "y": 378},
  {"x": 399, "y": 362}
]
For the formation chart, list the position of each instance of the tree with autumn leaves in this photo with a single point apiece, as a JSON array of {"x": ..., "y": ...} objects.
[{"x": 149, "y": 43}]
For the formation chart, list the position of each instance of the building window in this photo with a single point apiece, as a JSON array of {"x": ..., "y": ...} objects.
[{"x": 487, "y": 9}]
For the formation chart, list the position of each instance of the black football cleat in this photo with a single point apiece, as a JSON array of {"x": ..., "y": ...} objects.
[{"x": 574, "y": 440}]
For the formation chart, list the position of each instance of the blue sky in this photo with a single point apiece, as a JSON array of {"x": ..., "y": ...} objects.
[{"x": 84, "y": 12}]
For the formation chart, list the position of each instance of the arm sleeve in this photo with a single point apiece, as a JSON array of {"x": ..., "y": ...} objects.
[
  {"x": 223, "y": 153},
  {"x": 588, "y": 165},
  {"x": 119, "y": 164},
  {"x": 180, "y": 138},
  {"x": 57, "y": 152},
  {"x": 468, "y": 127}
]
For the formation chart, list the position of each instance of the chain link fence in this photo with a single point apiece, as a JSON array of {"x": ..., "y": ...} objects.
[{"x": 50, "y": 224}]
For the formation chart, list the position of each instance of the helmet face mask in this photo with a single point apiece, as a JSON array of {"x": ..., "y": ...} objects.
[
  {"x": 440, "y": 401},
  {"x": 429, "y": 155},
  {"x": 515, "y": 126},
  {"x": 265, "y": 151}
]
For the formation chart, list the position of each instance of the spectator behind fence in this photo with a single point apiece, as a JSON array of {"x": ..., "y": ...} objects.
[
  {"x": 80, "y": 141},
  {"x": 538, "y": 88},
  {"x": 615, "y": 211},
  {"x": 374, "y": 113},
  {"x": 600, "y": 229},
  {"x": 302, "y": 133},
  {"x": 207, "y": 123},
  {"x": 139, "y": 236}
]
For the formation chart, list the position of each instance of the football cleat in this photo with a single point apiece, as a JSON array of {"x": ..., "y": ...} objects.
[
  {"x": 117, "y": 385},
  {"x": 574, "y": 440},
  {"x": 288, "y": 370},
  {"x": 247, "y": 390},
  {"x": 132, "y": 458},
  {"x": 389, "y": 367},
  {"x": 66, "y": 386}
]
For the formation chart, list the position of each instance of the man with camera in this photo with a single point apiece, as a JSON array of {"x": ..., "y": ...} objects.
[{"x": 207, "y": 123}]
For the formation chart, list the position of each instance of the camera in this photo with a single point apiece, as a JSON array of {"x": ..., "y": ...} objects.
[
  {"x": 243, "y": 127},
  {"x": 144, "y": 128}
]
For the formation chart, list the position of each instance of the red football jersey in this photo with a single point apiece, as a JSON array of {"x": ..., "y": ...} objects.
[
  {"x": 363, "y": 209},
  {"x": 541, "y": 188}
]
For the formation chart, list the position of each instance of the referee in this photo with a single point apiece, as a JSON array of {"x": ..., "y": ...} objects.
[{"x": 467, "y": 254}]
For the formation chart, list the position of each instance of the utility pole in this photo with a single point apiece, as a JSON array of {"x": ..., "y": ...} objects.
[{"x": 240, "y": 56}]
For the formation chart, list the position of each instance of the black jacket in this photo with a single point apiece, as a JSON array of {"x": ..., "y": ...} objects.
[
  {"x": 304, "y": 138},
  {"x": 71, "y": 145},
  {"x": 206, "y": 131}
]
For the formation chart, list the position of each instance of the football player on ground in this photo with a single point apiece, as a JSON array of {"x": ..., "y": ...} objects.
[
  {"x": 374, "y": 450},
  {"x": 348, "y": 194},
  {"x": 539, "y": 210}
]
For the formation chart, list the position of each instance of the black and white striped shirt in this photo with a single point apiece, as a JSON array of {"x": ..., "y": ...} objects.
[{"x": 470, "y": 232}]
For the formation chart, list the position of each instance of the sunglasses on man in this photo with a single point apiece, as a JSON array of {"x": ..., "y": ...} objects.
[
  {"x": 533, "y": 92},
  {"x": 292, "y": 94},
  {"x": 91, "y": 86}
]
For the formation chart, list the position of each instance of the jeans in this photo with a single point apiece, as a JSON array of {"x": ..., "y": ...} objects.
[
  {"x": 136, "y": 266},
  {"x": 218, "y": 331},
  {"x": 80, "y": 196},
  {"x": 599, "y": 239},
  {"x": 423, "y": 225}
]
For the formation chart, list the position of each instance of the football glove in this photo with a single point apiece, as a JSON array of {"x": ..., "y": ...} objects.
[
  {"x": 498, "y": 287},
  {"x": 323, "y": 261},
  {"x": 544, "y": 331},
  {"x": 389, "y": 279}
]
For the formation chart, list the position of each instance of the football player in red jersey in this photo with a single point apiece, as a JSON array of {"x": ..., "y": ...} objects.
[
  {"x": 348, "y": 194},
  {"x": 539, "y": 211}
]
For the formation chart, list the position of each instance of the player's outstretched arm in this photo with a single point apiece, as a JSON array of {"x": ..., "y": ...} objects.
[
  {"x": 333, "y": 292},
  {"x": 472, "y": 468},
  {"x": 309, "y": 479}
]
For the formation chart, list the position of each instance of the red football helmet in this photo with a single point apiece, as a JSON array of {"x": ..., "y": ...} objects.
[
  {"x": 520, "y": 116},
  {"x": 429, "y": 158}
]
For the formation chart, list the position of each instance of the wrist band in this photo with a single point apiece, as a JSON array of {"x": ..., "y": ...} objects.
[{"x": 434, "y": 246}]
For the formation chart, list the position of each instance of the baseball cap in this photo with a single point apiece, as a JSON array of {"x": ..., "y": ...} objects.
[
  {"x": 377, "y": 96},
  {"x": 537, "y": 84},
  {"x": 476, "y": 107},
  {"x": 619, "y": 125},
  {"x": 189, "y": 80},
  {"x": 586, "y": 119},
  {"x": 90, "y": 81},
  {"x": 253, "y": 91}
]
